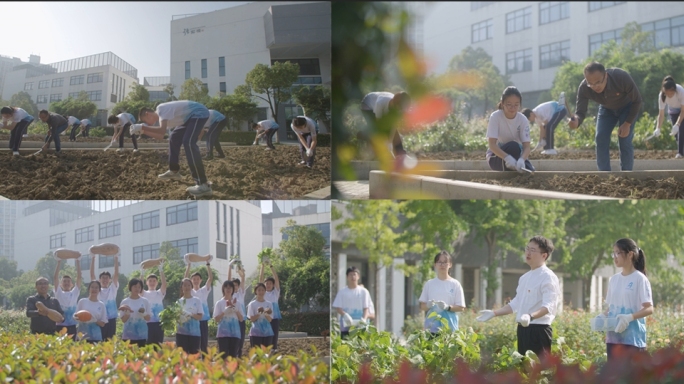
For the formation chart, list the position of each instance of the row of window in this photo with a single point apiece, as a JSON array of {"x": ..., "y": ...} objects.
[
  {"x": 75, "y": 80},
  {"x": 550, "y": 55},
  {"x": 92, "y": 96},
  {"x": 521, "y": 19},
  {"x": 221, "y": 66},
  {"x": 145, "y": 252}
]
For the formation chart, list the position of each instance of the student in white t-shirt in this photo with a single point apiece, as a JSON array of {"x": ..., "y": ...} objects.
[
  {"x": 548, "y": 115},
  {"x": 305, "y": 129},
  {"x": 85, "y": 127},
  {"x": 376, "y": 105},
  {"x": 92, "y": 329},
  {"x": 74, "y": 123},
  {"x": 672, "y": 95},
  {"x": 272, "y": 295},
  {"x": 17, "y": 121},
  {"x": 239, "y": 295},
  {"x": 188, "y": 335},
  {"x": 155, "y": 334},
  {"x": 266, "y": 128},
  {"x": 536, "y": 300},
  {"x": 442, "y": 296},
  {"x": 186, "y": 119},
  {"x": 202, "y": 294},
  {"x": 228, "y": 315},
  {"x": 67, "y": 294},
  {"x": 110, "y": 286},
  {"x": 260, "y": 313},
  {"x": 122, "y": 123},
  {"x": 629, "y": 299},
  {"x": 135, "y": 313},
  {"x": 352, "y": 302},
  {"x": 508, "y": 133}
]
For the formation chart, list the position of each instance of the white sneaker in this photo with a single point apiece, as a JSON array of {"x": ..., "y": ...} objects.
[
  {"x": 540, "y": 145},
  {"x": 15, "y": 153},
  {"x": 302, "y": 162},
  {"x": 135, "y": 150},
  {"x": 200, "y": 190},
  {"x": 135, "y": 128},
  {"x": 549, "y": 152},
  {"x": 120, "y": 150},
  {"x": 24, "y": 135},
  {"x": 170, "y": 175},
  {"x": 561, "y": 99},
  {"x": 678, "y": 156}
]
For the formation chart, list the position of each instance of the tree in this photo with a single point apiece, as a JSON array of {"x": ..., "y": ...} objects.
[
  {"x": 45, "y": 266},
  {"x": 315, "y": 101},
  {"x": 138, "y": 93},
  {"x": 24, "y": 101},
  {"x": 667, "y": 285},
  {"x": 236, "y": 108},
  {"x": 274, "y": 83},
  {"x": 594, "y": 226},
  {"x": 80, "y": 107},
  {"x": 194, "y": 90},
  {"x": 21, "y": 287},
  {"x": 170, "y": 89},
  {"x": 8, "y": 269}
]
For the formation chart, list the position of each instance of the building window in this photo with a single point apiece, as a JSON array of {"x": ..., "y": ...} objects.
[
  {"x": 186, "y": 246},
  {"x": 204, "y": 68},
  {"x": 146, "y": 221},
  {"x": 55, "y": 97},
  {"x": 146, "y": 252},
  {"x": 95, "y": 77},
  {"x": 554, "y": 55},
  {"x": 95, "y": 95},
  {"x": 84, "y": 235},
  {"x": 58, "y": 240},
  {"x": 221, "y": 251},
  {"x": 181, "y": 213},
  {"x": 519, "y": 20},
  {"x": 222, "y": 88},
  {"x": 74, "y": 95},
  {"x": 57, "y": 82},
  {"x": 666, "y": 33},
  {"x": 474, "y": 5},
  {"x": 519, "y": 61},
  {"x": 482, "y": 31},
  {"x": 28, "y": 86},
  {"x": 598, "y": 39},
  {"x": 85, "y": 263},
  {"x": 596, "y": 5},
  {"x": 106, "y": 261},
  {"x": 76, "y": 80},
  {"x": 44, "y": 84},
  {"x": 222, "y": 66},
  {"x": 550, "y": 11},
  {"x": 187, "y": 70},
  {"x": 110, "y": 229},
  {"x": 42, "y": 99}
]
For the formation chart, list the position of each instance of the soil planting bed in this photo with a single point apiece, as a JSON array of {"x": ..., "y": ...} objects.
[
  {"x": 612, "y": 186},
  {"x": 246, "y": 173},
  {"x": 65, "y": 139},
  {"x": 562, "y": 155}
]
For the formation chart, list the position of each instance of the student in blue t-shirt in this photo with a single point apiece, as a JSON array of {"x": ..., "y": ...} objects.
[
  {"x": 16, "y": 120},
  {"x": 74, "y": 123},
  {"x": 107, "y": 295},
  {"x": 121, "y": 124}
]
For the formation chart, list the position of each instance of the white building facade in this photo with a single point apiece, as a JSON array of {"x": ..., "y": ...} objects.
[
  {"x": 221, "y": 47},
  {"x": 156, "y": 86},
  {"x": 529, "y": 40},
  {"x": 105, "y": 77}
]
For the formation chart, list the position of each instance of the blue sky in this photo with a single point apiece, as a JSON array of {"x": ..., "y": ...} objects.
[{"x": 138, "y": 32}]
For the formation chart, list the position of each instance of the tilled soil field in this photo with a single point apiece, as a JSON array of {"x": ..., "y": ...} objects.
[
  {"x": 612, "y": 186},
  {"x": 245, "y": 173},
  {"x": 65, "y": 139},
  {"x": 562, "y": 155}
]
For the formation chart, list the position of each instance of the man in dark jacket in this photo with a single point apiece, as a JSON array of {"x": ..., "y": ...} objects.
[
  {"x": 56, "y": 125},
  {"x": 40, "y": 322}
]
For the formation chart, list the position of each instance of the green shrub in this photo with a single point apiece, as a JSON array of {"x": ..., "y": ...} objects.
[
  {"x": 97, "y": 132},
  {"x": 37, "y": 128},
  {"x": 13, "y": 321},
  {"x": 313, "y": 323}
]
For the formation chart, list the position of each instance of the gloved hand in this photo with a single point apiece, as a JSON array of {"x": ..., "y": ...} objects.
[
  {"x": 441, "y": 305},
  {"x": 520, "y": 164},
  {"x": 486, "y": 315},
  {"x": 623, "y": 322},
  {"x": 656, "y": 133},
  {"x": 675, "y": 130},
  {"x": 430, "y": 303},
  {"x": 186, "y": 259},
  {"x": 348, "y": 321},
  {"x": 309, "y": 152},
  {"x": 525, "y": 320},
  {"x": 160, "y": 267},
  {"x": 254, "y": 143},
  {"x": 510, "y": 162}
]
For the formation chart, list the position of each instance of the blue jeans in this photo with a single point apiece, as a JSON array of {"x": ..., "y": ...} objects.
[
  {"x": 55, "y": 136},
  {"x": 186, "y": 135},
  {"x": 605, "y": 124}
]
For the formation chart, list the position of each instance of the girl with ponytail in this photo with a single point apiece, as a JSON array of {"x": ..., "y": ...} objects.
[
  {"x": 672, "y": 95},
  {"x": 629, "y": 299}
]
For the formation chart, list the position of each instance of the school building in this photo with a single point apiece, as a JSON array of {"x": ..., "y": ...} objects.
[
  {"x": 529, "y": 40},
  {"x": 221, "y": 47}
]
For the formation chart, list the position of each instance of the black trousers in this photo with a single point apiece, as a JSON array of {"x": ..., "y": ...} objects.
[
  {"x": 258, "y": 341},
  {"x": 155, "y": 334},
  {"x": 275, "y": 326},
  {"x": 204, "y": 331},
  {"x": 612, "y": 349},
  {"x": 242, "y": 339},
  {"x": 189, "y": 344},
  {"x": 535, "y": 338},
  {"x": 109, "y": 330},
  {"x": 139, "y": 343},
  {"x": 228, "y": 346},
  {"x": 512, "y": 148},
  {"x": 127, "y": 131},
  {"x": 16, "y": 134}
]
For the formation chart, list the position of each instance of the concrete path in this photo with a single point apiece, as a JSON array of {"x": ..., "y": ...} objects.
[{"x": 353, "y": 190}]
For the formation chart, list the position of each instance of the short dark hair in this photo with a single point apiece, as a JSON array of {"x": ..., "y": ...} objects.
[
  {"x": 196, "y": 274},
  {"x": 228, "y": 283},
  {"x": 236, "y": 281},
  {"x": 400, "y": 100},
  {"x": 99, "y": 286},
  {"x": 135, "y": 281},
  {"x": 259, "y": 285},
  {"x": 152, "y": 275},
  {"x": 255, "y": 125},
  {"x": 527, "y": 112},
  {"x": 43, "y": 112},
  {"x": 668, "y": 84},
  {"x": 7, "y": 110},
  {"x": 143, "y": 111},
  {"x": 440, "y": 254},
  {"x": 271, "y": 279},
  {"x": 353, "y": 269},
  {"x": 593, "y": 67},
  {"x": 299, "y": 121},
  {"x": 67, "y": 277},
  {"x": 113, "y": 119},
  {"x": 545, "y": 245},
  {"x": 509, "y": 91},
  {"x": 106, "y": 273}
]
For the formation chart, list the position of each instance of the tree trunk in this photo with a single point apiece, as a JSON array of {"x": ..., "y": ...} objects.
[{"x": 491, "y": 249}]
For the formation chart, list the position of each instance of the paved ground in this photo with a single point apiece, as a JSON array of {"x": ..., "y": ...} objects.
[{"x": 353, "y": 190}]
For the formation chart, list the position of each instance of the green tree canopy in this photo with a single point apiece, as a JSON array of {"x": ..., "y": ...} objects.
[
  {"x": 80, "y": 107},
  {"x": 8, "y": 269},
  {"x": 272, "y": 84},
  {"x": 194, "y": 89},
  {"x": 236, "y": 108},
  {"x": 170, "y": 88},
  {"x": 314, "y": 100},
  {"x": 138, "y": 93},
  {"x": 24, "y": 101}
]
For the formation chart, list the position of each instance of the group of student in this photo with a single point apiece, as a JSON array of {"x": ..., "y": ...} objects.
[
  {"x": 140, "y": 311},
  {"x": 536, "y": 303},
  {"x": 508, "y": 130}
]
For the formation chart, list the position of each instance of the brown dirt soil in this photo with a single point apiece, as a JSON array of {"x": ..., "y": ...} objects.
[
  {"x": 562, "y": 155},
  {"x": 65, "y": 139},
  {"x": 612, "y": 186},
  {"x": 245, "y": 173}
]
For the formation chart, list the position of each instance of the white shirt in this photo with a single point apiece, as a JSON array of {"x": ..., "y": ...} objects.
[
  {"x": 202, "y": 294},
  {"x": 124, "y": 118},
  {"x": 17, "y": 116},
  {"x": 674, "y": 104},
  {"x": 627, "y": 295},
  {"x": 73, "y": 120},
  {"x": 536, "y": 289},
  {"x": 253, "y": 306},
  {"x": 176, "y": 113},
  {"x": 378, "y": 102},
  {"x": 448, "y": 291},
  {"x": 266, "y": 124},
  {"x": 505, "y": 130},
  {"x": 96, "y": 308},
  {"x": 310, "y": 127},
  {"x": 353, "y": 302},
  {"x": 545, "y": 111},
  {"x": 135, "y": 305},
  {"x": 85, "y": 122},
  {"x": 108, "y": 297},
  {"x": 240, "y": 296},
  {"x": 68, "y": 301},
  {"x": 156, "y": 299}
]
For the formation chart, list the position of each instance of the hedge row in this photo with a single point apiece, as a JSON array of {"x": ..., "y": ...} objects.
[{"x": 313, "y": 323}]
